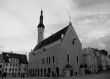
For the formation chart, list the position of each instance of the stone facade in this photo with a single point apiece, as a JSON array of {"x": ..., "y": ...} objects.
[{"x": 58, "y": 55}]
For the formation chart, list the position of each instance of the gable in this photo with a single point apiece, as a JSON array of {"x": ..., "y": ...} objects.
[
  {"x": 71, "y": 39},
  {"x": 51, "y": 39}
]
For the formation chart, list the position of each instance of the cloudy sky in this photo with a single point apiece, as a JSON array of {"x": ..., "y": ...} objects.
[{"x": 19, "y": 20}]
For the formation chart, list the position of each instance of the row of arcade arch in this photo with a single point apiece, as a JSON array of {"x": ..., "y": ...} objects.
[{"x": 44, "y": 72}]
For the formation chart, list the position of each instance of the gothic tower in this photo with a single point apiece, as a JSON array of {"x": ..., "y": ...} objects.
[{"x": 41, "y": 28}]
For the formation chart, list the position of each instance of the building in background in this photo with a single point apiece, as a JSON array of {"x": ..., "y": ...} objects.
[
  {"x": 91, "y": 59},
  {"x": 1, "y": 64},
  {"x": 58, "y": 55},
  {"x": 14, "y": 64},
  {"x": 96, "y": 60},
  {"x": 105, "y": 60}
]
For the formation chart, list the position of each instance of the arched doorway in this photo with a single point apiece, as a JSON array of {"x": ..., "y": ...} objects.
[
  {"x": 53, "y": 74},
  {"x": 45, "y": 72},
  {"x": 41, "y": 72},
  {"x": 49, "y": 72},
  {"x": 71, "y": 72},
  {"x": 68, "y": 70},
  {"x": 38, "y": 73},
  {"x": 57, "y": 71},
  {"x": 35, "y": 72}
]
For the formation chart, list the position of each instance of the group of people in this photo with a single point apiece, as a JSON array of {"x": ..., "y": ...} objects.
[{"x": 4, "y": 75}]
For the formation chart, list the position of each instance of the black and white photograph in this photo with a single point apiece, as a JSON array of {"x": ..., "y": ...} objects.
[{"x": 54, "y": 39}]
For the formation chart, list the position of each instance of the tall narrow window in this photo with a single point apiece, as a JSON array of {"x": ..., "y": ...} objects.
[
  {"x": 10, "y": 69},
  {"x": 49, "y": 59},
  {"x": 5, "y": 69},
  {"x": 53, "y": 59},
  {"x": 68, "y": 58},
  {"x": 6, "y": 64},
  {"x": 73, "y": 41},
  {"x": 10, "y": 64},
  {"x": 77, "y": 58}
]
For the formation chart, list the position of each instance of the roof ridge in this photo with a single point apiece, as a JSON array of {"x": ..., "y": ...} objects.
[
  {"x": 56, "y": 33},
  {"x": 51, "y": 38}
]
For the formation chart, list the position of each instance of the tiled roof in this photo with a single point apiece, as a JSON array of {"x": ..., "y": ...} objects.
[
  {"x": 22, "y": 58},
  {"x": 51, "y": 39}
]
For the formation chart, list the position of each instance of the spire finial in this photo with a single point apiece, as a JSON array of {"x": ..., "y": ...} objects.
[
  {"x": 70, "y": 20},
  {"x": 41, "y": 8},
  {"x": 41, "y": 12}
]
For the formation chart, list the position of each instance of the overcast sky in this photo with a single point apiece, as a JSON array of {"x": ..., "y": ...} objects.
[{"x": 19, "y": 20}]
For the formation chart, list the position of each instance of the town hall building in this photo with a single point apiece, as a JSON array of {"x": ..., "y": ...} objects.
[{"x": 58, "y": 55}]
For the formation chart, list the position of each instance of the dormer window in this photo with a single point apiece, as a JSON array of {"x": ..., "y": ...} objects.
[
  {"x": 62, "y": 35},
  {"x": 73, "y": 41}
]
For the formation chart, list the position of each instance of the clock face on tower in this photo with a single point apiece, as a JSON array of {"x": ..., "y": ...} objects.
[{"x": 74, "y": 41}]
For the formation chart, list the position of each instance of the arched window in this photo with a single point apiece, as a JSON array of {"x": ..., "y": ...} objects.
[
  {"x": 57, "y": 71},
  {"x": 73, "y": 41},
  {"x": 68, "y": 58},
  {"x": 53, "y": 59},
  {"x": 49, "y": 72},
  {"x": 45, "y": 72},
  {"x": 41, "y": 72},
  {"x": 38, "y": 73}
]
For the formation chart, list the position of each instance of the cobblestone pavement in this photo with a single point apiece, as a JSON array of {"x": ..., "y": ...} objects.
[{"x": 102, "y": 75}]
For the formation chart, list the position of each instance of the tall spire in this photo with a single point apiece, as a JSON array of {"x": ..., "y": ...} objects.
[
  {"x": 41, "y": 28},
  {"x": 41, "y": 20}
]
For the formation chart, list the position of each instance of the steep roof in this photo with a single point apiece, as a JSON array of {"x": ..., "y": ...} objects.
[
  {"x": 51, "y": 39},
  {"x": 22, "y": 58}
]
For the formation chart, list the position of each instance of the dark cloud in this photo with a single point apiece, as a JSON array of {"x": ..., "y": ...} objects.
[
  {"x": 92, "y": 23},
  {"x": 85, "y": 3},
  {"x": 93, "y": 30}
]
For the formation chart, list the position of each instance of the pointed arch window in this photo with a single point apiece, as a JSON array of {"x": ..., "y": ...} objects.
[
  {"x": 68, "y": 58},
  {"x": 77, "y": 59},
  {"x": 73, "y": 41}
]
